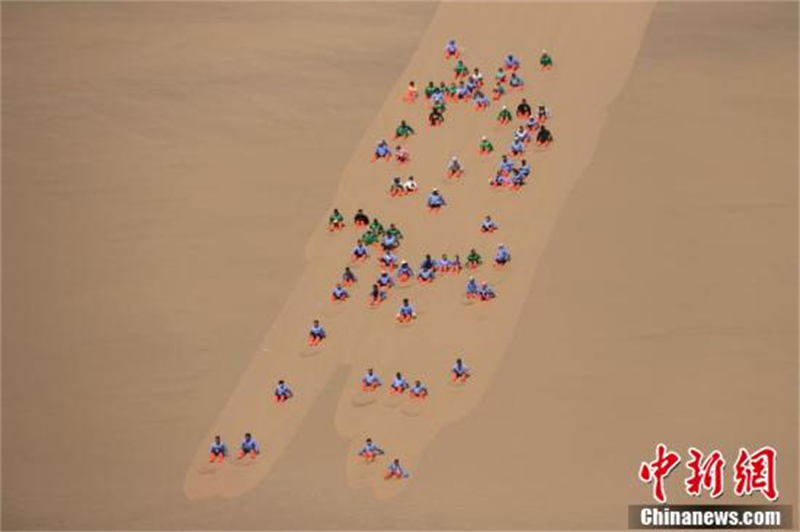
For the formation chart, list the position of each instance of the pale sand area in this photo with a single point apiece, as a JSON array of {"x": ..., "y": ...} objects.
[{"x": 572, "y": 439}]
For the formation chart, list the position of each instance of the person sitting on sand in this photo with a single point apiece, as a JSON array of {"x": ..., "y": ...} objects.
[
  {"x": 404, "y": 272},
  {"x": 382, "y": 151},
  {"x": 406, "y": 313},
  {"x": 488, "y": 225},
  {"x": 348, "y": 277},
  {"x": 498, "y": 91},
  {"x": 370, "y": 451},
  {"x": 249, "y": 446},
  {"x": 219, "y": 451},
  {"x": 515, "y": 82},
  {"x": 544, "y": 137},
  {"x": 517, "y": 148},
  {"x": 282, "y": 392},
  {"x": 426, "y": 275},
  {"x": 410, "y": 185},
  {"x": 339, "y": 293},
  {"x": 435, "y": 118},
  {"x": 451, "y": 50},
  {"x": 376, "y": 296},
  {"x": 399, "y": 384},
  {"x": 392, "y": 230},
  {"x": 360, "y": 219},
  {"x": 370, "y": 382},
  {"x": 454, "y": 168},
  {"x": 396, "y": 471},
  {"x": 436, "y": 201},
  {"x": 376, "y": 227},
  {"x": 500, "y": 76},
  {"x": 485, "y": 147},
  {"x": 389, "y": 260},
  {"x": 543, "y": 113},
  {"x": 504, "y": 116},
  {"x": 430, "y": 89},
  {"x": 506, "y": 165},
  {"x": 412, "y": 93},
  {"x": 498, "y": 180},
  {"x": 403, "y": 130},
  {"x": 360, "y": 252},
  {"x": 389, "y": 242},
  {"x": 473, "y": 290},
  {"x": 455, "y": 264},
  {"x": 336, "y": 221},
  {"x": 486, "y": 293},
  {"x": 316, "y": 334},
  {"x": 385, "y": 280},
  {"x": 370, "y": 237},
  {"x": 524, "y": 109},
  {"x": 462, "y": 91},
  {"x": 476, "y": 78},
  {"x": 460, "y": 372},
  {"x": 418, "y": 391},
  {"x": 511, "y": 63},
  {"x": 545, "y": 61},
  {"x": 461, "y": 70},
  {"x": 532, "y": 123},
  {"x": 443, "y": 264},
  {"x": 517, "y": 179},
  {"x": 401, "y": 155},
  {"x": 502, "y": 257},
  {"x": 473, "y": 259},
  {"x": 481, "y": 101},
  {"x": 524, "y": 169},
  {"x": 396, "y": 189},
  {"x": 522, "y": 135}
]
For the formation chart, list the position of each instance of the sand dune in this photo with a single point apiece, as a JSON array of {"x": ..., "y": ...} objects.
[{"x": 636, "y": 248}]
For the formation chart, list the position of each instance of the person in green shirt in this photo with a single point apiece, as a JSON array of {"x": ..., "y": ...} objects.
[
  {"x": 394, "y": 231},
  {"x": 498, "y": 91},
  {"x": 545, "y": 61},
  {"x": 485, "y": 146},
  {"x": 504, "y": 117},
  {"x": 376, "y": 227},
  {"x": 369, "y": 237},
  {"x": 473, "y": 259},
  {"x": 461, "y": 69},
  {"x": 429, "y": 90},
  {"x": 403, "y": 130},
  {"x": 336, "y": 221}
]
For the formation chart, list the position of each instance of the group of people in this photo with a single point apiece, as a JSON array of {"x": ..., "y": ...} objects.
[{"x": 467, "y": 85}]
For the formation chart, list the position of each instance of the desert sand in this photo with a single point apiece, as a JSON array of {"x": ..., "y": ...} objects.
[{"x": 155, "y": 286}]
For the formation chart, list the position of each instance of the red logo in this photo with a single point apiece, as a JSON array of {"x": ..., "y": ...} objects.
[{"x": 752, "y": 472}]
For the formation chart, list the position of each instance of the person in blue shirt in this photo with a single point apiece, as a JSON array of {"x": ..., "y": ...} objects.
[
  {"x": 385, "y": 280},
  {"x": 481, "y": 101},
  {"x": 502, "y": 257},
  {"x": 249, "y": 446},
  {"x": 486, "y": 292},
  {"x": 219, "y": 451},
  {"x": 360, "y": 252},
  {"x": 389, "y": 242},
  {"x": 517, "y": 148},
  {"x": 451, "y": 50},
  {"x": 339, "y": 294},
  {"x": 426, "y": 275},
  {"x": 472, "y": 289},
  {"x": 506, "y": 165},
  {"x": 443, "y": 264},
  {"x": 406, "y": 313},
  {"x": 517, "y": 180},
  {"x": 370, "y": 382},
  {"x": 436, "y": 201},
  {"x": 498, "y": 180},
  {"x": 316, "y": 334},
  {"x": 397, "y": 188},
  {"x": 396, "y": 471},
  {"x": 282, "y": 392},
  {"x": 370, "y": 451},
  {"x": 511, "y": 62},
  {"x": 376, "y": 295},
  {"x": 454, "y": 168},
  {"x": 382, "y": 151},
  {"x": 418, "y": 391},
  {"x": 389, "y": 260},
  {"x": 460, "y": 372},
  {"x": 524, "y": 168},
  {"x": 348, "y": 277},
  {"x": 488, "y": 225},
  {"x": 522, "y": 135},
  {"x": 399, "y": 384},
  {"x": 404, "y": 272}
]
